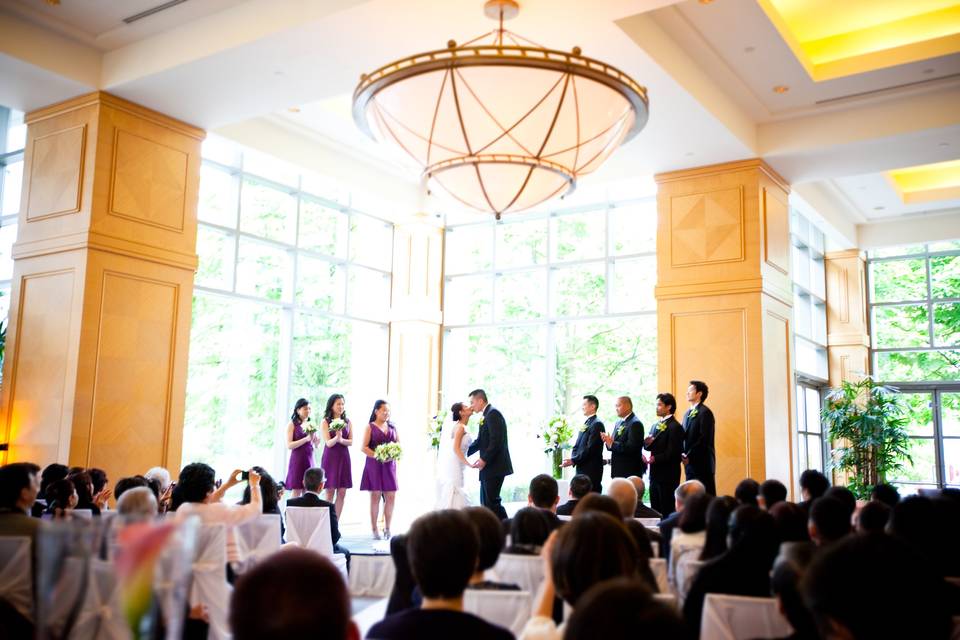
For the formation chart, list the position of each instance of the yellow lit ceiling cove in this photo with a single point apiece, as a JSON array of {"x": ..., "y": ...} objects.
[
  {"x": 837, "y": 38},
  {"x": 927, "y": 183}
]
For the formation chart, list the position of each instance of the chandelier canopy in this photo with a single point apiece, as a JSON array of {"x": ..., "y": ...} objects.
[{"x": 500, "y": 122}]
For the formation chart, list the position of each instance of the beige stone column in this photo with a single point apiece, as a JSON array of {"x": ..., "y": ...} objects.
[
  {"x": 724, "y": 310},
  {"x": 95, "y": 373},
  {"x": 848, "y": 334}
]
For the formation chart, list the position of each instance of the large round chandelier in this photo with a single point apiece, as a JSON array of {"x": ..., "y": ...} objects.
[{"x": 500, "y": 122}]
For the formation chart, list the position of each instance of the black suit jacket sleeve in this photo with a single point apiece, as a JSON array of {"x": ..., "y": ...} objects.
[
  {"x": 334, "y": 525},
  {"x": 633, "y": 443},
  {"x": 591, "y": 439},
  {"x": 496, "y": 431},
  {"x": 701, "y": 433},
  {"x": 474, "y": 447}
]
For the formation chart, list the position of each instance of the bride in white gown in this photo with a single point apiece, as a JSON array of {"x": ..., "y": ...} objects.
[{"x": 452, "y": 459}]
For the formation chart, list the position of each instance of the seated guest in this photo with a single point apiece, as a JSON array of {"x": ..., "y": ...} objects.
[
  {"x": 744, "y": 570},
  {"x": 791, "y": 521},
  {"x": 19, "y": 487},
  {"x": 625, "y": 495},
  {"x": 848, "y": 585},
  {"x": 597, "y": 502},
  {"x": 846, "y": 497},
  {"x": 642, "y": 510},
  {"x": 443, "y": 548},
  {"x": 529, "y": 529},
  {"x": 491, "y": 539},
  {"x": 641, "y": 537},
  {"x": 747, "y": 492},
  {"x": 873, "y": 517},
  {"x": 829, "y": 521},
  {"x": 718, "y": 517},
  {"x": 885, "y": 493},
  {"x": 137, "y": 503},
  {"x": 788, "y": 571},
  {"x": 771, "y": 492},
  {"x": 625, "y": 609},
  {"x": 580, "y": 486},
  {"x": 686, "y": 543},
  {"x": 591, "y": 548},
  {"x": 125, "y": 484},
  {"x": 545, "y": 495},
  {"x": 83, "y": 485},
  {"x": 61, "y": 498},
  {"x": 668, "y": 524},
  {"x": 257, "y": 611},
  {"x": 404, "y": 594},
  {"x": 100, "y": 491},
  {"x": 813, "y": 485},
  {"x": 313, "y": 481},
  {"x": 51, "y": 473},
  {"x": 161, "y": 475},
  {"x": 269, "y": 496}
]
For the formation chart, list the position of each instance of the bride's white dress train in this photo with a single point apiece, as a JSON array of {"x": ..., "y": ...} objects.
[{"x": 450, "y": 493}]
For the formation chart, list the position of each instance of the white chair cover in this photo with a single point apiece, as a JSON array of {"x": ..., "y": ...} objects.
[
  {"x": 371, "y": 576},
  {"x": 310, "y": 528},
  {"x": 210, "y": 587},
  {"x": 525, "y": 571},
  {"x": 16, "y": 574},
  {"x": 565, "y": 518},
  {"x": 659, "y": 568},
  {"x": 741, "y": 618},
  {"x": 687, "y": 570},
  {"x": 256, "y": 539},
  {"x": 66, "y": 591},
  {"x": 649, "y": 522},
  {"x": 668, "y": 599},
  {"x": 508, "y": 609},
  {"x": 101, "y": 615},
  {"x": 86, "y": 514}
]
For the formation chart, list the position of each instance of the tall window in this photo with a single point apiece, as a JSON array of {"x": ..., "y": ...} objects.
[
  {"x": 13, "y": 135},
  {"x": 291, "y": 300},
  {"x": 810, "y": 337},
  {"x": 915, "y": 324},
  {"x": 545, "y": 308}
]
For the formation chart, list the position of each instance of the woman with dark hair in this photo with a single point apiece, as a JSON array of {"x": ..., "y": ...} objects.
[
  {"x": 269, "y": 495},
  {"x": 51, "y": 473},
  {"x": 686, "y": 543},
  {"x": 83, "y": 484},
  {"x": 529, "y": 529},
  {"x": 452, "y": 458},
  {"x": 336, "y": 432},
  {"x": 379, "y": 477},
  {"x": 718, "y": 515},
  {"x": 61, "y": 497},
  {"x": 300, "y": 439}
]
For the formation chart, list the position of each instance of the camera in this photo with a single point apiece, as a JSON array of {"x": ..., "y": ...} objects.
[{"x": 244, "y": 475}]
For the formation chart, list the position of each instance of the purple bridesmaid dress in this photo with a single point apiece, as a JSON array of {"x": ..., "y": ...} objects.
[
  {"x": 380, "y": 476},
  {"x": 301, "y": 459},
  {"x": 335, "y": 463}
]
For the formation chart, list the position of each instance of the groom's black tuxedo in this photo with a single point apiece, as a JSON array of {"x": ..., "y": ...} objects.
[
  {"x": 666, "y": 448},
  {"x": 627, "y": 457},
  {"x": 698, "y": 447},
  {"x": 494, "y": 451},
  {"x": 587, "y": 454}
]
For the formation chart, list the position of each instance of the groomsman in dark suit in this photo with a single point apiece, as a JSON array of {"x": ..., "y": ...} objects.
[
  {"x": 494, "y": 463},
  {"x": 587, "y": 453},
  {"x": 699, "y": 456},
  {"x": 665, "y": 444},
  {"x": 626, "y": 443}
]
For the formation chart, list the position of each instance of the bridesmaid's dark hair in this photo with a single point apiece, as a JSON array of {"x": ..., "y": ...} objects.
[
  {"x": 455, "y": 410},
  {"x": 301, "y": 403},
  {"x": 328, "y": 412},
  {"x": 376, "y": 406}
]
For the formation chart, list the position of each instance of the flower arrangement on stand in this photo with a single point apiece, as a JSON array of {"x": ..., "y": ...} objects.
[
  {"x": 388, "y": 451},
  {"x": 434, "y": 429},
  {"x": 556, "y": 437}
]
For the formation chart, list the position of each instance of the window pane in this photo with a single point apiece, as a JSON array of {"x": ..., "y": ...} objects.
[
  {"x": 521, "y": 295},
  {"x": 633, "y": 283},
  {"x": 950, "y": 413},
  {"x": 324, "y": 187},
  {"x": 945, "y": 276},
  {"x": 218, "y": 197},
  {"x": 215, "y": 249},
  {"x": 812, "y": 400},
  {"x": 320, "y": 284},
  {"x": 801, "y": 266},
  {"x": 633, "y": 228},
  {"x": 919, "y": 366},
  {"x": 946, "y": 324},
  {"x": 521, "y": 243},
  {"x": 16, "y": 131},
  {"x": 578, "y": 291},
  {"x": 269, "y": 167},
  {"x": 923, "y": 467},
  {"x": 802, "y": 314},
  {"x": 4, "y": 302},
  {"x": 221, "y": 150},
  {"x": 268, "y": 212},
  {"x": 320, "y": 357},
  {"x": 951, "y": 461},
  {"x": 814, "y": 452},
  {"x": 946, "y": 245},
  {"x": 371, "y": 242},
  {"x": 808, "y": 358},
  {"x": 919, "y": 412},
  {"x": 12, "y": 181},
  {"x": 469, "y": 248},
  {"x": 901, "y": 326},
  {"x": 579, "y": 236},
  {"x": 818, "y": 282},
  {"x": 801, "y": 406},
  {"x": 264, "y": 270},
  {"x": 896, "y": 251},
  {"x": 322, "y": 229},
  {"x": 368, "y": 294},
  {"x": 898, "y": 280},
  {"x": 468, "y": 300}
]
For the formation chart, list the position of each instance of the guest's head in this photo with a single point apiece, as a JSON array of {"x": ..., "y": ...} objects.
[
  {"x": 442, "y": 547},
  {"x": 591, "y": 548},
  {"x": 154, "y": 485},
  {"x": 873, "y": 517},
  {"x": 697, "y": 392},
  {"x": 50, "y": 474},
  {"x": 845, "y": 496},
  {"x": 666, "y": 405},
  {"x": 161, "y": 475},
  {"x": 197, "y": 481},
  {"x": 693, "y": 518},
  {"x": 544, "y": 492},
  {"x": 401, "y": 595},
  {"x": 381, "y": 412},
  {"x": 478, "y": 400},
  {"x": 125, "y": 484},
  {"x": 747, "y": 491},
  {"x": 301, "y": 411},
  {"x": 813, "y": 485},
  {"x": 489, "y": 534},
  {"x": 529, "y": 528},
  {"x": 685, "y": 490},
  {"x": 771, "y": 492},
  {"x": 99, "y": 479},
  {"x": 137, "y": 502},
  {"x": 62, "y": 495},
  {"x": 590, "y": 405},
  {"x": 641, "y": 537},
  {"x": 791, "y": 521},
  {"x": 597, "y": 502},
  {"x": 829, "y": 520},
  {"x": 625, "y": 495},
  {"x": 580, "y": 486},
  {"x": 753, "y": 536},
  {"x": 718, "y": 521},
  {"x": 19, "y": 486},
  {"x": 788, "y": 570},
  {"x": 626, "y": 609},
  {"x": 848, "y": 585},
  {"x": 335, "y": 408},
  {"x": 914, "y": 520},
  {"x": 638, "y": 484},
  {"x": 84, "y": 488},
  {"x": 885, "y": 493},
  {"x": 623, "y": 406},
  {"x": 269, "y": 496},
  {"x": 313, "y": 480},
  {"x": 256, "y": 612}
]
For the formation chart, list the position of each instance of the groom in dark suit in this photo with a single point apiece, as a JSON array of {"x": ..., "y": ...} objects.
[
  {"x": 626, "y": 442},
  {"x": 699, "y": 456},
  {"x": 665, "y": 444},
  {"x": 494, "y": 463},
  {"x": 587, "y": 453}
]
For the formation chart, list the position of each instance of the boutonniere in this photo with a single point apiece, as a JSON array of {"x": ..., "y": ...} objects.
[
  {"x": 618, "y": 431},
  {"x": 693, "y": 413},
  {"x": 661, "y": 427},
  {"x": 480, "y": 422}
]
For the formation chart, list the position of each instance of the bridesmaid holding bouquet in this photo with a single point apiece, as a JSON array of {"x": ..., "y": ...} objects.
[
  {"x": 301, "y": 434},
  {"x": 337, "y": 433},
  {"x": 380, "y": 470}
]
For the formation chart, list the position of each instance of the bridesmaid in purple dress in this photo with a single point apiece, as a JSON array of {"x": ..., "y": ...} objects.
[
  {"x": 336, "y": 454},
  {"x": 379, "y": 478},
  {"x": 300, "y": 444}
]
